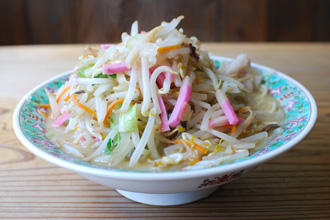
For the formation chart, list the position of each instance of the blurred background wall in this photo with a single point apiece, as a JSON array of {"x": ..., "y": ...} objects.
[{"x": 100, "y": 21}]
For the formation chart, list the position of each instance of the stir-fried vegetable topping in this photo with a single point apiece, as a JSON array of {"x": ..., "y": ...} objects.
[{"x": 156, "y": 99}]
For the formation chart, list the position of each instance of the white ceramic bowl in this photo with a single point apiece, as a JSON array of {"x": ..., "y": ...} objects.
[{"x": 174, "y": 187}]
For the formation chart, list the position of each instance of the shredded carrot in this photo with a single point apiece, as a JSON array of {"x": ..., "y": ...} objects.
[
  {"x": 138, "y": 88},
  {"x": 226, "y": 126},
  {"x": 110, "y": 107},
  {"x": 173, "y": 47},
  {"x": 42, "y": 112},
  {"x": 233, "y": 129},
  {"x": 198, "y": 79},
  {"x": 86, "y": 55},
  {"x": 84, "y": 107},
  {"x": 44, "y": 105},
  {"x": 192, "y": 145},
  {"x": 67, "y": 98},
  {"x": 62, "y": 93},
  {"x": 194, "y": 161}
]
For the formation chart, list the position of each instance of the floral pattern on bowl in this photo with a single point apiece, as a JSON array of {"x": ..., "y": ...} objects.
[{"x": 295, "y": 102}]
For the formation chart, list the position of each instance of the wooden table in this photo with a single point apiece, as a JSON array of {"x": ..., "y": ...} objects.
[{"x": 295, "y": 185}]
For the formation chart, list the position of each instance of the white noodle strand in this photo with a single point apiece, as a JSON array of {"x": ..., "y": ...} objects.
[{"x": 144, "y": 139}]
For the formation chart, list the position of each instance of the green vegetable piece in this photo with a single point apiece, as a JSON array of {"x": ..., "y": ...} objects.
[
  {"x": 116, "y": 140},
  {"x": 81, "y": 73},
  {"x": 112, "y": 144},
  {"x": 128, "y": 120},
  {"x": 107, "y": 150},
  {"x": 113, "y": 76}
]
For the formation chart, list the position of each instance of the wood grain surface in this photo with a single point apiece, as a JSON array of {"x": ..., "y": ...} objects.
[
  {"x": 85, "y": 21},
  {"x": 295, "y": 185}
]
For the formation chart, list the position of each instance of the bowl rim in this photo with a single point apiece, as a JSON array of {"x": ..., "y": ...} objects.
[{"x": 168, "y": 175}]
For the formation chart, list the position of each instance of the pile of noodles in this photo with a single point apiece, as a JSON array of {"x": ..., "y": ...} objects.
[{"x": 157, "y": 99}]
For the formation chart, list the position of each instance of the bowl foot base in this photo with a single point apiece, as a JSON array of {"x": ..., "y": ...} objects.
[{"x": 167, "y": 199}]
